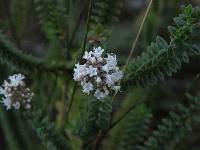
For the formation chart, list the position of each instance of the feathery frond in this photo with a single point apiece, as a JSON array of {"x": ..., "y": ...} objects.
[
  {"x": 10, "y": 55},
  {"x": 162, "y": 59}
]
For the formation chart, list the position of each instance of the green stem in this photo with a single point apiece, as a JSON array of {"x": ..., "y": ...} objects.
[
  {"x": 124, "y": 115},
  {"x": 82, "y": 52},
  {"x": 7, "y": 130},
  {"x": 76, "y": 28},
  {"x": 135, "y": 41},
  {"x": 97, "y": 140},
  {"x": 87, "y": 29}
]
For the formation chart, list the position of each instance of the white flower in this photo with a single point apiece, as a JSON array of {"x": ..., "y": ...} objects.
[
  {"x": 111, "y": 63},
  {"x": 105, "y": 68},
  {"x": 116, "y": 76},
  {"x": 98, "y": 51},
  {"x": 99, "y": 95},
  {"x": 87, "y": 87},
  {"x": 87, "y": 55},
  {"x": 92, "y": 71},
  {"x": 109, "y": 81},
  {"x": 15, "y": 93},
  {"x": 98, "y": 74},
  {"x": 16, "y": 79},
  {"x": 79, "y": 72},
  {"x": 7, "y": 103},
  {"x": 99, "y": 80},
  {"x": 16, "y": 105},
  {"x": 100, "y": 60},
  {"x": 111, "y": 60},
  {"x": 116, "y": 88}
]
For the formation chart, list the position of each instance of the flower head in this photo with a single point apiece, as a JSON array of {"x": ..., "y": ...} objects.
[
  {"x": 99, "y": 75},
  {"x": 15, "y": 93}
]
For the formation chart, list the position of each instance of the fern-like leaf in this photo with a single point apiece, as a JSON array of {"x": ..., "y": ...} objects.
[
  {"x": 134, "y": 129},
  {"x": 162, "y": 59},
  {"x": 10, "y": 55},
  {"x": 103, "y": 13},
  {"x": 46, "y": 131},
  {"x": 53, "y": 16},
  {"x": 98, "y": 118},
  {"x": 174, "y": 128}
]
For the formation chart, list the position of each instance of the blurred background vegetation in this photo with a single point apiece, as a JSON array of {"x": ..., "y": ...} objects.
[{"x": 34, "y": 33}]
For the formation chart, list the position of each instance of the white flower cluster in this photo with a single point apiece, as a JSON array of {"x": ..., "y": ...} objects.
[
  {"x": 99, "y": 75},
  {"x": 15, "y": 93}
]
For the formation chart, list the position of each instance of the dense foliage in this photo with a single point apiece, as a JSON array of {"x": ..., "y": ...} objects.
[{"x": 61, "y": 116}]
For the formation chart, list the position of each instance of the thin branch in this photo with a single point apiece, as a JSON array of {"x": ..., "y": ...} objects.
[
  {"x": 125, "y": 114},
  {"x": 135, "y": 41},
  {"x": 81, "y": 55},
  {"x": 87, "y": 29},
  {"x": 100, "y": 133},
  {"x": 138, "y": 35},
  {"x": 76, "y": 28},
  {"x": 98, "y": 138},
  {"x": 71, "y": 101}
]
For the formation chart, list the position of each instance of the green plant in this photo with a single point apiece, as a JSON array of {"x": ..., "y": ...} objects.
[{"x": 62, "y": 117}]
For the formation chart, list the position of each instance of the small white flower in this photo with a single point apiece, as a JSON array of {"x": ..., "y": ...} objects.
[
  {"x": 93, "y": 60},
  {"x": 105, "y": 68},
  {"x": 87, "y": 55},
  {"x": 111, "y": 60},
  {"x": 92, "y": 71},
  {"x": 116, "y": 88},
  {"x": 109, "y": 81},
  {"x": 7, "y": 103},
  {"x": 16, "y": 79},
  {"x": 87, "y": 87},
  {"x": 100, "y": 60},
  {"x": 98, "y": 74},
  {"x": 15, "y": 93},
  {"x": 16, "y": 105},
  {"x": 98, "y": 94},
  {"x": 99, "y": 80},
  {"x": 79, "y": 72},
  {"x": 116, "y": 76},
  {"x": 98, "y": 51}
]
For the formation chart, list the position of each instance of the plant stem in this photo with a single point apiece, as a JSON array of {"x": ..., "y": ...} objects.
[
  {"x": 135, "y": 42},
  {"x": 101, "y": 134},
  {"x": 124, "y": 70},
  {"x": 137, "y": 36},
  {"x": 97, "y": 141},
  {"x": 87, "y": 29},
  {"x": 11, "y": 24},
  {"x": 71, "y": 101},
  {"x": 124, "y": 115},
  {"x": 71, "y": 40},
  {"x": 80, "y": 57},
  {"x": 10, "y": 138}
]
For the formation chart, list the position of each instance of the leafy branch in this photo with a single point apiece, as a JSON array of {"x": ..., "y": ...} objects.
[
  {"x": 174, "y": 128},
  {"x": 10, "y": 55},
  {"x": 46, "y": 131},
  {"x": 135, "y": 128},
  {"x": 162, "y": 59}
]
